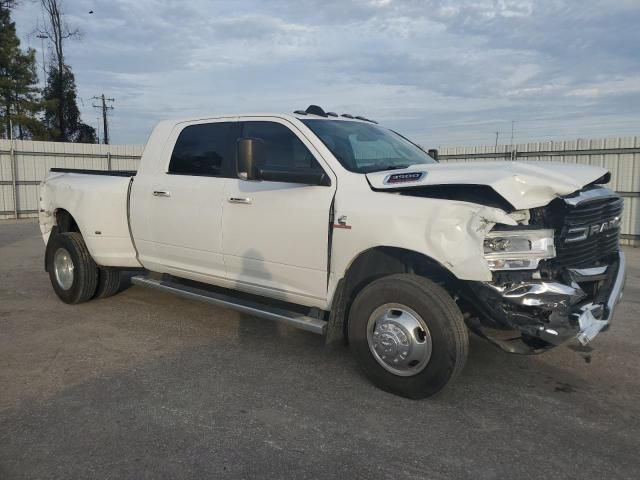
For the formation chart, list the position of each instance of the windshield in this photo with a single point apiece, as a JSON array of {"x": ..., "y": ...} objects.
[{"x": 365, "y": 147}]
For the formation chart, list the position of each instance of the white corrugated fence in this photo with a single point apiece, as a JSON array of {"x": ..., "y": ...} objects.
[
  {"x": 621, "y": 156},
  {"x": 23, "y": 165}
]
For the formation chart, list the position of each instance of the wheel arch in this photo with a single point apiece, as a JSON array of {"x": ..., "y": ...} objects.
[
  {"x": 375, "y": 263},
  {"x": 64, "y": 222}
]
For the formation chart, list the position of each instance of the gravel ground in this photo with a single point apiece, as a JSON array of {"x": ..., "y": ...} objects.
[{"x": 147, "y": 385}]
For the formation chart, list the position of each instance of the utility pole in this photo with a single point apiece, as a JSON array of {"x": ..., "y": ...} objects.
[
  {"x": 513, "y": 149},
  {"x": 103, "y": 106},
  {"x": 14, "y": 170},
  {"x": 42, "y": 38},
  {"x": 496, "y": 147},
  {"x": 513, "y": 123}
]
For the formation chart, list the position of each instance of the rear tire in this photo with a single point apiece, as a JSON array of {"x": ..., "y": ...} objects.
[
  {"x": 72, "y": 271},
  {"x": 408, "y": 335},
  {"x": 108, "y": 282}
]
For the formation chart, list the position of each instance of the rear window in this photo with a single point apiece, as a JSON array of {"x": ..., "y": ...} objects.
[{"x": 207, "y": 149}]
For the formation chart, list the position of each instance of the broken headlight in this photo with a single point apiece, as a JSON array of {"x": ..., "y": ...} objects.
[{"x": 518, "y": 249}]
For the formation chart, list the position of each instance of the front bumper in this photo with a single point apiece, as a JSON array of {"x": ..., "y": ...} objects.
[{"x": 533, "y": 316}]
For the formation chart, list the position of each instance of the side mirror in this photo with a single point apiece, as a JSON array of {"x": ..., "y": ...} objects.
[
  {"x": 433, "y": 153},
  {"x": 250, "y": 157},
  {"x": 251, "y": 160}
]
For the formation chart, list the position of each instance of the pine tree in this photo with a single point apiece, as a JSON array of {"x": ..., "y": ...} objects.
[
  {"x": 61, "y": 92},
  {"x": 19, "y": 103}
]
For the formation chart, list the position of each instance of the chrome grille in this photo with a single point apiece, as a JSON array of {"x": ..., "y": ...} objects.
[{"x": 590, "y": 229}]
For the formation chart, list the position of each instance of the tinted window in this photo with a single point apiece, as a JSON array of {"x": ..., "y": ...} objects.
[
  {"x": 206, "y": 149},
  {"x": 283, "y": 148}
]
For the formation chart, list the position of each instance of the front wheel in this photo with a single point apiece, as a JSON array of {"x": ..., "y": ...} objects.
[
  {"x": 408, "y": 335},
  {"x": 73, "y": 273}
]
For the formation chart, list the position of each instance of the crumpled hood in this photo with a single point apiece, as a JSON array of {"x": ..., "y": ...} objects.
[{"x": 522, "y": 184}]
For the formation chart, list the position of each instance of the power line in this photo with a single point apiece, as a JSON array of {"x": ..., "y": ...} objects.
[
  {"x": 594, "y": 120},
  {"x": 103, "y": 106}
]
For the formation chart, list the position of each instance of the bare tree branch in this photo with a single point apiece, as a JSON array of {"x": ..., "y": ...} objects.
[
  {"x": 8, "y": 4},
  {"x": 57, "y": 31}
]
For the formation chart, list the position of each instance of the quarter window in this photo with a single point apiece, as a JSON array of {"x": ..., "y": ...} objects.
[{"x": 207, "y": 149}]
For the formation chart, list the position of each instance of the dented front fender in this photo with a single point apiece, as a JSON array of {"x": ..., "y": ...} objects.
[{"x": 449, "y": 232}]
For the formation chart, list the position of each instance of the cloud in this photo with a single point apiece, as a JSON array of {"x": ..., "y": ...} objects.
[{"x": 443, "y": 71}]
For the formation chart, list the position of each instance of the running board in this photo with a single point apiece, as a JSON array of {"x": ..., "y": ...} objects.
[{"x": 243, "y": 305}]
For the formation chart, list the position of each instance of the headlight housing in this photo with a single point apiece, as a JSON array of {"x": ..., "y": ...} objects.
[{"x": 518, "y": 249}]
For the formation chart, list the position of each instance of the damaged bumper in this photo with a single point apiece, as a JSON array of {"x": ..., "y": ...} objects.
[{"x": 533, "y": 316}]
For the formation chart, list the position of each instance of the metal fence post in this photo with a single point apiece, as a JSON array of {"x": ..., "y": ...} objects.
[
  {"x": 14, "y": 171},
  {"x": 109, "y": 161}
]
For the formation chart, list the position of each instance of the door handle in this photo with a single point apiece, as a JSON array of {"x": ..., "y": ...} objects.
[
  {"x": 243, "y": 200},
  {"x": 161, "y": 193}
]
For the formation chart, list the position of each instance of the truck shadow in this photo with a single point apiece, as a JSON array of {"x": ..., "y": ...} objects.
[
  {"x": 253, "y": 268},
  {"x": 125, "y": 278}
]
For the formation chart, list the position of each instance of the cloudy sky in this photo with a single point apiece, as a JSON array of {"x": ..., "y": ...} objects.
[{"x": 441, "y": 71}]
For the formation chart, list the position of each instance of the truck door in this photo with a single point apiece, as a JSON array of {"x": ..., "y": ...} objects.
[
  {"x": 183, "y": 234},
  {"x": 275, "y": 238}
]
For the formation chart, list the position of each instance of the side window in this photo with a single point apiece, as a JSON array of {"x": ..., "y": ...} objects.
[
  {"x": 283, "y": 147},
  {"x": 207, "y": 149}
]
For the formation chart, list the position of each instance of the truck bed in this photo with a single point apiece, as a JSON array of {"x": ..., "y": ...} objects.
[
  {"x": 111, "y": 173},
  {"x": 97, "y": 201}
]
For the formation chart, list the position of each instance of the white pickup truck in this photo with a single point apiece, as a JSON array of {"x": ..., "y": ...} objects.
[{"x": 344, "y": 228}]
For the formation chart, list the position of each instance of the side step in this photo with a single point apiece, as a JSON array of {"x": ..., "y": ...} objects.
[{"x": 243, "y": 305}]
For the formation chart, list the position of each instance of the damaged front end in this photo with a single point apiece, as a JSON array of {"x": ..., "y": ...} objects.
[{"x": 568, "y": 289}]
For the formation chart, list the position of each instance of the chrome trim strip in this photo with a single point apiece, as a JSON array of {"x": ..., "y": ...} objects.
[
  {"x": 618, "y": 286},
  {"x": 589, "y": 195},
  {"x": 245, "y": 306},
  {"x": 589, "y": 272},
  {"x": 591, "y": 326}
]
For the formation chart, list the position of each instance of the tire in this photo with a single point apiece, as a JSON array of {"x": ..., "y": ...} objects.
[
  {"x": 407, "y": 299},
  {"x": 108, "y": 282},
  {"x": 80, "y": 285}
]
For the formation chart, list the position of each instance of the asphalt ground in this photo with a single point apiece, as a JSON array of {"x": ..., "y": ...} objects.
[{"x": 148, "y": 385}]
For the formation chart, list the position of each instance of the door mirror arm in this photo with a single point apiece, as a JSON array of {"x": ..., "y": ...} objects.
[
  {"x": 305, "y": 176},
  {"x": 250, "y": 154}
]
